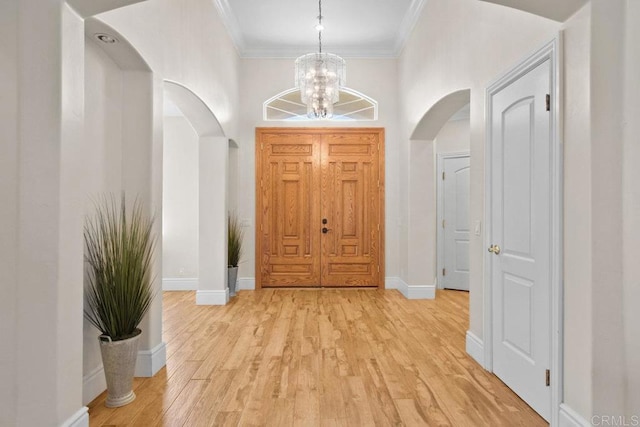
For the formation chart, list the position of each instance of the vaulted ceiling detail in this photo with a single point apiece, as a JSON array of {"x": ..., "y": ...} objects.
[{"x": 286, "y": 28}]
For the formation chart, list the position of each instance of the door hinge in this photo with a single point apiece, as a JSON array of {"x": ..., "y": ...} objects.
[
  {"x": 443, "y": 176},
  {"x": 378, "y": 226},
  {"x": 547, "y": 377},
  {"x": 443, "y": 222},
  {"x": 548, "y": 102},
  {"x": 444, "y": 271}
]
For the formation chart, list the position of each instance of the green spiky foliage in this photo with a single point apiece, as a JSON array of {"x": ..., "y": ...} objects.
[
  {"x": 235, "y": 241},
  {"x": 118, "y": 248}
]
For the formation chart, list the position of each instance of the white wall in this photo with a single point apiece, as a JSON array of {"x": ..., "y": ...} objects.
[
  {"x": 9, "y": 215},
  {"x": 180, "y": 199},
  {"x": 233, "y": 185},
  {"x": 457, "y": 45},
  {"x": 41, "y": 120},
  {"x": 70, "y": 244},
  {"x": 453, "y": 137},
  {"x": 577, "y": 213},
  {"x": 263, "y": 78},
  {"x": 104, "y": 88},
  {"x": 607, "y": 107},
  {"x": 186, "y": 42},
  {"x": 631, "y": 205}
]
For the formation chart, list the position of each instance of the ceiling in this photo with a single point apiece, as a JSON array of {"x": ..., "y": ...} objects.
[{"x": 286, "y": 28}]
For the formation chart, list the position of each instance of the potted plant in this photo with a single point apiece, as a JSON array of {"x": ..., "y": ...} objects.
[
  {"x": 118, "y": 250},
  {"x": 235, "y": 234}
]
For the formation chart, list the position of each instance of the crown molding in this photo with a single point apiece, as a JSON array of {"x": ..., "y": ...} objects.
[
  {"x": 408, "y": 23},
  {"x": 231, "y": 23}
]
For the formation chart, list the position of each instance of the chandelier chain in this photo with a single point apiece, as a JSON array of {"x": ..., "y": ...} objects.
[{"x": 320, "y": 26}]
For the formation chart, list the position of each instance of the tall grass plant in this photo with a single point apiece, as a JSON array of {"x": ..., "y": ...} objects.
[
  {"x": 235, "y": 234},
  {"x": 119, "y": 248}
]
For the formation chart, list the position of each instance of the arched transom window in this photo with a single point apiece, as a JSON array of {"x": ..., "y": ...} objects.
[{"x": 352, "y": 106}]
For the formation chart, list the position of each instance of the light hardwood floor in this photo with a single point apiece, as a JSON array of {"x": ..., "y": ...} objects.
[{"x": 331, "y": 357}]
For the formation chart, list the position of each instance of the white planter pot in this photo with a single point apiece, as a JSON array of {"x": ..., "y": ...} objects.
[
  {"x": 232, "y": 278},
  {"x": 119, "y": 360}
]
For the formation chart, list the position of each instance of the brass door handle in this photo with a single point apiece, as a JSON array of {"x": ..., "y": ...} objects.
[{"x": 494, "y": 249}]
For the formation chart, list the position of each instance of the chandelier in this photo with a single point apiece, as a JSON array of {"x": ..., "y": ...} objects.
[{"x": 319, "y": 76}]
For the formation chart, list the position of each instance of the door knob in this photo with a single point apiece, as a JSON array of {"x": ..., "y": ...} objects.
[
  {"x": 494, "y": 249},
  {"x": 325, "y": 230}
]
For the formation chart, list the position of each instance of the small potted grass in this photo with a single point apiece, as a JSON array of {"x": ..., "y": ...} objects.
[
  {"x": 119, "y": 247},
  {"x": 235, "y": 235}
]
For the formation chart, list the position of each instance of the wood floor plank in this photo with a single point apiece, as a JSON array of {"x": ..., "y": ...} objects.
[
  {"x": 166, "y": 393},
  {"x": 182, "y": 406},
  {"x": 207, "y": 404},
  {"x": 318, "y": 357}
]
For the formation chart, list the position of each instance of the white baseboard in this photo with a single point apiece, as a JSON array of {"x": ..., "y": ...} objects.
[
  {"x": 79, "y": 419},
  {"x": 180, "y": 284},
  {"x": 93, "y": 384},
  {"x": 212, "y": 297},
  {"x": 570, "y": 418},
  {"x": 410, "y": 291},
  {"x": 475, "y": 348},
  {"x": 421, "y": 292},
  {"x": 151, "y": 361},
  {"x": 246, "y": 284},
  {"x": 391, "y": 282}
]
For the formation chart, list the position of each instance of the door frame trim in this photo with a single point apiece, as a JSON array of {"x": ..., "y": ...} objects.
[
  {"x": 381, "y": 131},
  {"x": 440, "y": 158},
  {"x": 551, "y": 51}
]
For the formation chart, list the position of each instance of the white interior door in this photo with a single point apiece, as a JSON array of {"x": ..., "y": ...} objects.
[
  {"x": 454, "y": 221},
  {"x": 520, "y": 236}
]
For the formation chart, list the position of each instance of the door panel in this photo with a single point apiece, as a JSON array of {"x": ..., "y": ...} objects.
[
  {"x": 521, "y": 226},
  {"x": 290, "y": 213},
  {"x": 350, "y": 204},
  {"x": 455, "y": 199},
  {"x": 305, "y": 176}
]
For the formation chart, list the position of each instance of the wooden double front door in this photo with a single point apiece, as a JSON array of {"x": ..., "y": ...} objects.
[{"x": 319, "y": 207}]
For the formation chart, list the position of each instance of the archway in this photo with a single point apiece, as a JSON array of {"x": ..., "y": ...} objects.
[
  {"x": 212, "y": 198},
  {"x": 421, "y": 262},
  {"x": 558, "y": 11}
]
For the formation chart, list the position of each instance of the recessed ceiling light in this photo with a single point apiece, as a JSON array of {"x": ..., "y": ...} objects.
[{"x": 106, "y": 38}]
